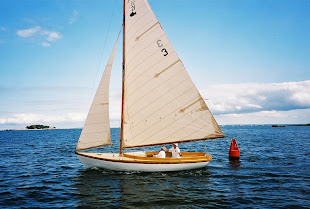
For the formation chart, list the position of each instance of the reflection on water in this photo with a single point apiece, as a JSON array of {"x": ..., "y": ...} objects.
[
  {"x": 96, "y": 188},
  {"x": 235, "y": 163},
  {"x": 132, "y": 189}
]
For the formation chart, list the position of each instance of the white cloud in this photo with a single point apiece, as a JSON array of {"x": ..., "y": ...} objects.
[
  {"x": 30, "y": 118},
  {"x": 251, "y": 103},
  {"x": 51, "y": 35},
  {"x": 74, "y": 17},
  {"x": 28, "y": 32},
  {"x": 301, "y": 116},
  {"x": 254, "y": 97},
  {"x": 115, "y": 108},
  {"x": 38, "y": 33},
  {"x": 45, "y": 44}
]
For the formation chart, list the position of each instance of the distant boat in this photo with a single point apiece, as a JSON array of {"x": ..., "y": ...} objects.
[{"x": 160, "y": 103}]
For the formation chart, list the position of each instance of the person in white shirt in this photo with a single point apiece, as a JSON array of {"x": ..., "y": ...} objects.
[
  {"x": 175, "y": 151},
  {"x": 162, "y": 153}
]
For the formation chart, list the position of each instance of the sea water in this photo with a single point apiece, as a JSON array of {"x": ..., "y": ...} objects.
[{"x": 38, "y": 169}]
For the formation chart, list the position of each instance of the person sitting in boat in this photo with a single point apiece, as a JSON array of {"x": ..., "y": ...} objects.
[
  {"x": 175, "y": 151},
  {"x": 162, "y": 153}
]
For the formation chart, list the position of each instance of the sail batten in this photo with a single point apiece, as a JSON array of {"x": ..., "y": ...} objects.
[
  {"x": 96, "y": 131},
  {"x": 164, "y": 107},
  {"x": 161, "y": 103},
  {"x": 141, "y": 52},
  {"x": 169, "y": 121},
  {"x": 138, "y": 37},
  {"x": 144, "y": 78}
]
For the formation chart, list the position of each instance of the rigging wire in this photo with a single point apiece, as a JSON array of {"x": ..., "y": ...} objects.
[
  {"x": 104, "y": 46},
  {"x": 100, "y": 58}
]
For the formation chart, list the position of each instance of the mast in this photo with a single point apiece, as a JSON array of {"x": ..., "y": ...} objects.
[{"x": 123, "y": 86}]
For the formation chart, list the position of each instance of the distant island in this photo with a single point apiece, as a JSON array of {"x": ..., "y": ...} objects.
[
  {"x": 278, "y": 126},
  {"x": 40, "y": 127},
  {"x": 282, "y": 126},
  {"x": 300, "y": 125}
]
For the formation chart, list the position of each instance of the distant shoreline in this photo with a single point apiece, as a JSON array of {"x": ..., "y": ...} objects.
[
  {"x": 236, "y": 125},
  {"x": 283, "y": 126},
  {"x": 37, "y": 129}
]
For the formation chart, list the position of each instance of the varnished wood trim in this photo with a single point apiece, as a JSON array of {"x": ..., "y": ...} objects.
[
  {"x": 187, "y": 158},
  {"x": 152, "y": 160},
  {"x": 123, "y": 81}
]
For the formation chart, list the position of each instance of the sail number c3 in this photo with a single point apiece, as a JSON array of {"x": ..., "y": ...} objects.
[{"x": 164, "y": 50}]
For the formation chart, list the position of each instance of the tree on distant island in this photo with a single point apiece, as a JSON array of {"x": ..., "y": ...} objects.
[{"x": 38, "y": 127}]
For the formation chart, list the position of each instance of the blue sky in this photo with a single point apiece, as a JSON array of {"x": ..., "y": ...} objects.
[{"x": 249, "y": 59}]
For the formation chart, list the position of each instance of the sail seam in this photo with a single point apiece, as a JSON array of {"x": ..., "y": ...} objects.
[
  {"x": 168, "y": 126},
  {"x": 100, "y": 145},
  {"x": 94, "y": 142},
  {"x": 175, "y": 110},
  {"x": 158, "y": 110},
  {"x": 93, "y": 134},
  {"x": 133, "y": 26},
  {"x": 137, "y": 78},
  {"x": 98, "y": 122},
  {"x": 150, "y": 69},
  {"x": 133, "y": 48},
  {"x": 138, "y": 17},
  {"x": 180, "y": 83},
  {"x": 98, "y": 113},
  {"x": 206, "y": 125},
  {"x": 139, "y": 52}
]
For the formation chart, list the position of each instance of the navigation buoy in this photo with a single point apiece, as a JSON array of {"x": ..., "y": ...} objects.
[{"x": 234, "y": 152}]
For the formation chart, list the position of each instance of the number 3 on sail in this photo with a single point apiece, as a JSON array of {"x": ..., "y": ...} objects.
[
  {"x": 163, "y": 50},
  {"x": 154, "y": 111}
]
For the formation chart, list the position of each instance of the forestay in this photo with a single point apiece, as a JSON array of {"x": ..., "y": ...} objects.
[
  {"x": 96, "y": 131},
  {"x": 161, "y": 103}
]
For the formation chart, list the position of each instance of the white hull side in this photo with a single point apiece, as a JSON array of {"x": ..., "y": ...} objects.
[{"x": 142, "y": 167}]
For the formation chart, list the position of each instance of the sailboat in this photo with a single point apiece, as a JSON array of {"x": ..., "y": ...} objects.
[{"x": 160, "y": 103}]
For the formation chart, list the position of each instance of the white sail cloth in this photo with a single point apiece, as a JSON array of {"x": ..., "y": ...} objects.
[
  {"x": 96, "y": 131},
  {"x": 161, "y": 103}
]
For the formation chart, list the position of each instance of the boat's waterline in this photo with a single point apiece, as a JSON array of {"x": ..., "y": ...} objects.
[{"x": 140, "y": 162}]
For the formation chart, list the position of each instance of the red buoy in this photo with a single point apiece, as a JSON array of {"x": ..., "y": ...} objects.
[{"x": 234, "y": 152}]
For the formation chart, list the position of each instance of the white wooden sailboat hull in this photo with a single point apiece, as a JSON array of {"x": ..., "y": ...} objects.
[{"x": 112, "y": 161}]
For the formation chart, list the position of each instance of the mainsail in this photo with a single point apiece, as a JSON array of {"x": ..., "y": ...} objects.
[
  {"x": 96, "y": 131},
  {"x": 161, "y": 103}
]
